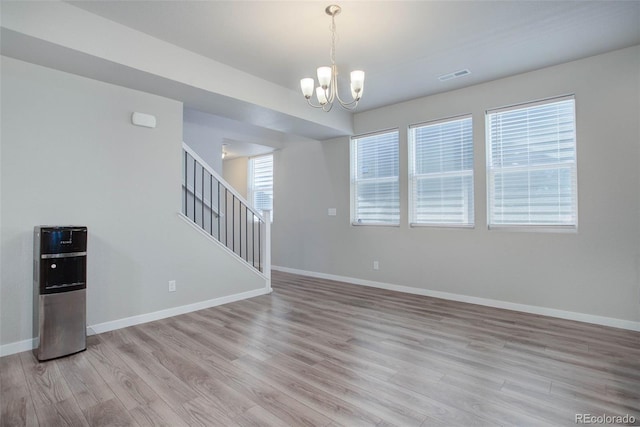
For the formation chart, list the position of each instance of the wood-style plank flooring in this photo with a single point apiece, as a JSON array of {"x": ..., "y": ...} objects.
[{"x": 323, "y": 353}]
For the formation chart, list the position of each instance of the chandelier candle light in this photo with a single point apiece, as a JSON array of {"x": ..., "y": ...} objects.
[{"x": 327, "y": 91}]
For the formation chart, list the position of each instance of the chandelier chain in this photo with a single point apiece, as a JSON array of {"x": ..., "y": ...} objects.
[{"x": 333, "y": 39}]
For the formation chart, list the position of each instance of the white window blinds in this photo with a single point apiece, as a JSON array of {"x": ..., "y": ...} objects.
[
  {"x": 532, "y": 165},
  {"x": 375, "y": 195},
  {"x": 261, "y": 182},
  {"x": 441, "y": 173}
]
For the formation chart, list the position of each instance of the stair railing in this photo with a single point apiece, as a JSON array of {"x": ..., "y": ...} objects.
[{"x": 221, "y": 212}]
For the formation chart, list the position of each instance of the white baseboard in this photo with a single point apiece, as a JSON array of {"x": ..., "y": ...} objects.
[
  {"x": 29, "y": 344},
  {"x": 17, "y": 347},
  {"x": 170, "y": 312},
  {"x": 544, "y": 311}
]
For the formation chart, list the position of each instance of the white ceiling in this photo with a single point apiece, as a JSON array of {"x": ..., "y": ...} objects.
[
  {"x": 239, "y": 139},
  {"x": 403, "y": 46}
]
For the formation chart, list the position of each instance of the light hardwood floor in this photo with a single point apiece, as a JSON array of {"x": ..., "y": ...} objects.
[{"x": 323, "y": 353}]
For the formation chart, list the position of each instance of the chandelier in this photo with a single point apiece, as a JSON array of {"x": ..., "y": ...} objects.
[{"x": 327, "y": 90}]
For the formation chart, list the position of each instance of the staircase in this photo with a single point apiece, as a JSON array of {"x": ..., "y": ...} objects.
[{"x": 221, "y": 212}]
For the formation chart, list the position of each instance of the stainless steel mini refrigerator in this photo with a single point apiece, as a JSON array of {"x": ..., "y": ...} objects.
[{"x": 59, "y": 288}]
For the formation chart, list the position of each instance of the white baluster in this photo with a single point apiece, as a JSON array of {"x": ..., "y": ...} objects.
[{"x": 267, "y": 247}]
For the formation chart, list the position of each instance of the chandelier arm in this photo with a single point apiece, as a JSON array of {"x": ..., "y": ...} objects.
[
  {"x": 344, "y": 104},
  {"x": 350, "y": 105},
  {"x": 326, "y": 107},
  {"x": 330, "y": 94},
  {"x": 314, "y": 106},
  {"x": 335, "y": 93},
  {"x": 334, "y": 83}
]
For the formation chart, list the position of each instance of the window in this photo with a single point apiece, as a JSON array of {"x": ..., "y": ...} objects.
[
  {"x": 260, "y": 193},
  {"x": 532, "y": 165},
  {"x": 441, "y": 173},
  {"x": 375, "y": 195}
]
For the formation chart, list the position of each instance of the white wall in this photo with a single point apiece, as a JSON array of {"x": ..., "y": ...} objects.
[
  {"x": 593, "y": 271},
  {"x": 71, "y": 156}
]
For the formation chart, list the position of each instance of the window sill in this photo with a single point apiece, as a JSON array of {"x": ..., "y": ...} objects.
[
  {"x": 462, "y": 226},
  {"x": 373, "y": 224},
  {"x": 571, "y": 229}
]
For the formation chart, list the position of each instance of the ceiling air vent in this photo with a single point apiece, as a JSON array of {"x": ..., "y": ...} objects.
[{"x": 454, "y": 75}]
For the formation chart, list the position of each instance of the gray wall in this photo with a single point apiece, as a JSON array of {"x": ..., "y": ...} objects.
[
  {"x": 71, "y": 156},
  {"x": 593, "y": 271},
  {"x": 205, "y": 141},
  {"x": 235, "y": 173}
]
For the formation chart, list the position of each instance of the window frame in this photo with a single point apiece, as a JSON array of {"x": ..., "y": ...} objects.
[
  {"x": 353, "y": 179},
  {"x": 411, "y": 174},
  {"x": 528, "y": 227},
  {"x": 251, "y": 188}
]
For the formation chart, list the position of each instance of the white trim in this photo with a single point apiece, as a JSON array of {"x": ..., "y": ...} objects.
[
  {"x": 374, "y": 224},
  {"x": 251, "y": 190},
  {"x": 17, "y": 347},
  {"x": 236, "y": 257},
  {"x": 534, "y": 103},
  {"x": 533, "y": 309},
  {"x": 414, "y": 177},
  {"x": 29, "y": 344},
  {"x": 442, "y": 225},
  {"x": 491, "y": 172},
  {"x": 377, "y": 132},
  {"x": 535, "y": 228},
  {"x": 442, "y": 120},
  {"x": 355, "y": 182},
  {"x": 174, "y": 311},
  {"x": 267, "y": 248}
]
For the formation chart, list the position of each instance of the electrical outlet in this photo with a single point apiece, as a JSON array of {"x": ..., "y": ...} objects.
[
  {"x": 376, "y": 265},
  {"x": 172, "y": 285}
]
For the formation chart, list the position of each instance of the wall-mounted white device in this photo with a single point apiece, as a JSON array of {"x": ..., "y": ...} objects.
[{"x": 142, "y": 119}]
